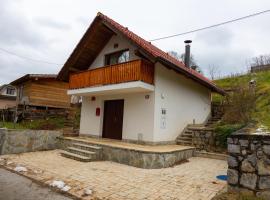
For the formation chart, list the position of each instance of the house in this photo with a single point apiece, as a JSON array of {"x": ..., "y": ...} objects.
[
  {"x": 132, "y": 90},
  {"x": 259, "y": 68},
  {"x": 8, "y": 95},
  {"x": 41, "y": 91}
]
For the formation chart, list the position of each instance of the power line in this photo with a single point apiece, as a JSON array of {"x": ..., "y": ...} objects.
[
  {"x": 212, "y": 26},
  {"x": 27, "y": 58}
]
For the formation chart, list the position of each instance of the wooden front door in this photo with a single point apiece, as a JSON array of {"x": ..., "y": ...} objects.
[{"x": 113, "y": 119}]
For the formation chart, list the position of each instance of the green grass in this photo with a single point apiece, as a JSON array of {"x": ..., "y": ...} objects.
[
  {"x": 44, "y": 124},
  {"x": 262, "y": 105}
]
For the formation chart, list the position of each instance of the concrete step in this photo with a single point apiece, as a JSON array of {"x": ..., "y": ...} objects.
[
  {"x": 87, "y": 147},
  {"x": 82, "y": 152},
  {"x": 75, "y": 156}
]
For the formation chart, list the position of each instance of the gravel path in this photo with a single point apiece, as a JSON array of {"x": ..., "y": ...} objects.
[{"x": 16, "y": 187}]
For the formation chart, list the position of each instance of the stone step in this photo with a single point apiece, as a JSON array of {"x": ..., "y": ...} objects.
[
  {"x": 182, "y": 138},
  {"x": 182, "y": 142},
  {"x": 186, "y": 135},
  {"x": 188, "y": 132},
  {"x": 86, "y": 147},
  {"x": 75, "y": 156},
  {"x": 218, "y": 156},
  {"x": 82, "y": 152}
]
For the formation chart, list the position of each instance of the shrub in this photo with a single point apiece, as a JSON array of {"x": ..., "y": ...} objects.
[
  {"x": 239, "y": 105},
  {"x": 223, "y": 131}
]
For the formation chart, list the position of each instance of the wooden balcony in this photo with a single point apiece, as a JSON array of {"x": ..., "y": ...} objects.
[{"x": 136, "y": 70}]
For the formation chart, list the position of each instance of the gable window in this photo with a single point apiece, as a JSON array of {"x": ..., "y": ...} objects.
[
  {"x": 117, "y": 57},
  {"x": 10, "y": 91}
]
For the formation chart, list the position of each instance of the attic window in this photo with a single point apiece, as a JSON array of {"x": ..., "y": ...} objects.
[
  {"x": 117, "y": 57},
  {"x": 115, "y": 45},
  {"x": 10, "y": 91}
]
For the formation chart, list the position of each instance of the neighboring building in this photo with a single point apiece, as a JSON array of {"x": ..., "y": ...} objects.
[
  {"x": 42, "y": 91},
  {"x": 8, "y": 95},
  {"x": 259, "y": 68},
  {"x": 130, "y": 89}
]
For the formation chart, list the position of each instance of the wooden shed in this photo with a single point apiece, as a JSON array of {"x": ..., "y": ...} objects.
[{"x": 42, "y": 90}]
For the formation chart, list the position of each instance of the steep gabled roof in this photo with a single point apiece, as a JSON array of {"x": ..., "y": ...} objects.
[
  {"x": 32, "y": 77},
  {"x": 99, "y": 33}
]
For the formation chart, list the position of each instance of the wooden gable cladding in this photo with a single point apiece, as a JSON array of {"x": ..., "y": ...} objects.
[
  {"x": 136, "y": 70},
  {"x": 93, "y": 41}
]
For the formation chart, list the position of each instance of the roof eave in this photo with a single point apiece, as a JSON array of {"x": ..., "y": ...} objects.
[{"x": 178, "y": 69}]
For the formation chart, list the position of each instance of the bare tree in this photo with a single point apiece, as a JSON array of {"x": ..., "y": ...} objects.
[
  {"x": 260, "y": 60},
  {"x": 181, "y": 57},
  {"x": 213, "y": 71}
]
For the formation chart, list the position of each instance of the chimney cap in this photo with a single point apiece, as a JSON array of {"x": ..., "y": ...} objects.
[{"x": 188, "y": 41}]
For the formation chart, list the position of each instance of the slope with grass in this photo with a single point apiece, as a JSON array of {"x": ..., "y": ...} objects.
[{"x": 261, "y": 112}]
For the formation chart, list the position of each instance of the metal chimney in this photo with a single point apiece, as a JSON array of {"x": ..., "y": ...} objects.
[{"x": 187, "y": 53}]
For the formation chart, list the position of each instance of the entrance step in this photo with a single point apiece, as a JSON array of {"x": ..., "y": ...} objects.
[
  {"x": 83, "y": 152},
  {"x": 86, "y": 147},
  {"x": 75, "y": 156}
]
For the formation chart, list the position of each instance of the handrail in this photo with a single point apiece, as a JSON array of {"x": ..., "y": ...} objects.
[{"x": 136, "y": 70}]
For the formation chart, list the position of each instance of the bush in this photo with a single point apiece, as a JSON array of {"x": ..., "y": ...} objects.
[
  {"x": 223, "y": 131},
  {"x": 239, "y": 105}
]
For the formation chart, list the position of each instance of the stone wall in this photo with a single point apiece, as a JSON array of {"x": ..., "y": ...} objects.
[
  {"x": 249, "y": 164},
  {"x": 20, "y": 141},
  {"x": 204, "y": 139}
]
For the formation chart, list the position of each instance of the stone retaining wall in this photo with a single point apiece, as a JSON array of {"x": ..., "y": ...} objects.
[
  {"x": 21, "y": 141},
  {"x": 249, "y": 164},
  {"x": 204, "y": 139}
]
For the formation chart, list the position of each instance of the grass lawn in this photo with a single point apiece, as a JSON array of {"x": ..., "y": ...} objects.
[{"x": 44, "y": 124}]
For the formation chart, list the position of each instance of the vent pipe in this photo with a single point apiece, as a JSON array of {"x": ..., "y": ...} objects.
[{"x": 187, "y": 53}]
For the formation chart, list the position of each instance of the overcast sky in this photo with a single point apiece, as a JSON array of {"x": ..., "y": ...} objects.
[{"x": 49, "y": 30}]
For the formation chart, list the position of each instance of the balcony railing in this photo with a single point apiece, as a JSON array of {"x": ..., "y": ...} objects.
[{"x": 136, "y": 70}]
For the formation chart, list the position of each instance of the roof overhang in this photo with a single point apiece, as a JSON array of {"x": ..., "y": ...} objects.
[
  {"x": 121, "y": 88},
  {"x": 28, "y": 77}
]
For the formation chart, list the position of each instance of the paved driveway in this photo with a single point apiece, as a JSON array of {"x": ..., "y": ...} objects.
[
  {"x": 16, "y": 187},
  {"x": 194, "y": 180}
]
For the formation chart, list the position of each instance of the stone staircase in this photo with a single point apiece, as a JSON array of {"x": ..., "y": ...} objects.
[
  {"x": 83, "y": 152},
  {"x": 213, "y": 120},
  {"x": 186, "y": 137}
]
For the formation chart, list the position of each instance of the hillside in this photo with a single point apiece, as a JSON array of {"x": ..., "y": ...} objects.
[{"x": 261, "y": 113}]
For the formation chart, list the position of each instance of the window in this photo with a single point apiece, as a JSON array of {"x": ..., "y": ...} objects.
[
  {"x": 10, "y": 91},
  {"x": 117, "y": 57}
]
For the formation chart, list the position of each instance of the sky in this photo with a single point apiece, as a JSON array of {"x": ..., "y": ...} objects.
[{"x": 48, "y": 30}]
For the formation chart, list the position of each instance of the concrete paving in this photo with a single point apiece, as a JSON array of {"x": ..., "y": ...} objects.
[
  {"x": 194, "y": 180},
  {"x": 16, "y": 187}
]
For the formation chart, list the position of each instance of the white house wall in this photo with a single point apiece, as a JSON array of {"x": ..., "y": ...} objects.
[
  {"x": 184, "y": 100},
  {"x": 109, "y": 48},
  {"x": 138, "y": 116}
]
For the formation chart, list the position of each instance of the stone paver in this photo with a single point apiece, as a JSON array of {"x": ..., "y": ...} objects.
[
  {"x": 194, "y": 180},
  {"x": 15, "y": 187}
]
